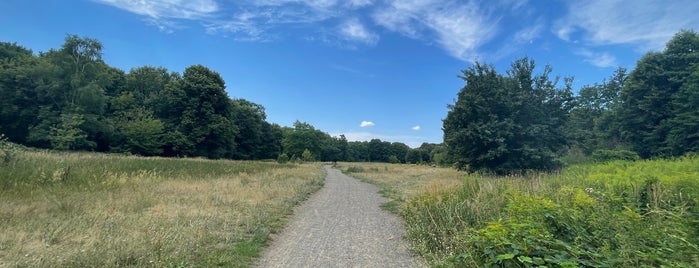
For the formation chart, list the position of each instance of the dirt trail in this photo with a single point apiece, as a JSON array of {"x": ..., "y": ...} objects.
[{"x": 341, "y": 225}]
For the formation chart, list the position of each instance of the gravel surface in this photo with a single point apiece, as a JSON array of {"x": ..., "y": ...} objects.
[{"x": 341, "y": 225}]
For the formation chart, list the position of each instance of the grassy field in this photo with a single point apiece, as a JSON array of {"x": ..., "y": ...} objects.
[
  {"x": 617, "y": 214},
  {"x": 97, "y": 210}
]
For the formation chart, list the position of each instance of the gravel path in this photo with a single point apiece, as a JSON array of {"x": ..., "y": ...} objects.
[{"x": 341, "y": 225}]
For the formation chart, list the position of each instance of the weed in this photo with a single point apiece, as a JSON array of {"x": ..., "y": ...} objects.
[{"x": 612, "y": 214}]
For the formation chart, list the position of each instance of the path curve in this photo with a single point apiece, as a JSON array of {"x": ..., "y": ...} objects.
[{"x": 341, "y": 225}]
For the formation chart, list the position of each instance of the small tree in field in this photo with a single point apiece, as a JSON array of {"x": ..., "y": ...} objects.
[
  {"x": 307, "y": 156},
  {"x": 283, "y": 158}
]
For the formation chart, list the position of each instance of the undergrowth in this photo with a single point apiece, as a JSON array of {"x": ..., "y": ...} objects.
[
  {"x": 617, "y": 214},
  {"x": 613, "y": 214}
]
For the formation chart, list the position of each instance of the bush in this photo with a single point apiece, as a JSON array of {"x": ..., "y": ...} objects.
[
  {"x": 393, "y": 159},
  {"x": 611, "y": 155},
  {"x": 7, "y": 150},
  {"x": 282, "y": 159}
]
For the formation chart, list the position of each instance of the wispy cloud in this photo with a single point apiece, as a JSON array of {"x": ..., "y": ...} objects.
[
  {"x": 366, "y": 124},
  {"x": 530, "y": 33},
  {"x": 354, "y": 30},
  {"x": 645, "y": 24},
  {"x": 416, "y": 128},
  {"x": 599, "y": 59},
  {"x": 176, "y": 9},
  {"x": 162, "y": 12},
  {"x": 460, "y": 28}
]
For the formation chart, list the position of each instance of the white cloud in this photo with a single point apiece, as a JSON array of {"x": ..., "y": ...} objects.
[
  {"x": 175, "y": 9},
  {"x": 354, "y": 30},
  {"x": 602, "y": 60},
  {"x": 366, "y": 124},
  {"x": 459, "y": 28},
  {"x": 361, "y": 3},
  {"x": 162, "y": 12},
  {"x": 528, "y": 34},
  {"x": 646, "y": 24},
  {"x": 416, "y": 128}
]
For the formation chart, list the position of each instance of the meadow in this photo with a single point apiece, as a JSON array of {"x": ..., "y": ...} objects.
[
  {"x": 615, "y": 214},
  {"x": 99, "y": 210}
]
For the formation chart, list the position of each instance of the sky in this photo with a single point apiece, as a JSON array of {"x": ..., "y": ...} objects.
[{"x": 367, "y": 69}]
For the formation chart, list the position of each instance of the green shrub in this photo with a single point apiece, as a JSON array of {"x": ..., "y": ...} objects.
[
  {"x": 610, "y": 155},
  {"x": 393, "y": 159},
  {"x": 7, "y": 150},
  {"x": 283, "y": 158}
]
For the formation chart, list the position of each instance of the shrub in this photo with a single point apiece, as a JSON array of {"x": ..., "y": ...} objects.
[
  {"x": 611, "y": 155},
  {"x": 393, "y": 159},
  {"x": 283, "y": 158},
  {"x": 7, "y": 150}
]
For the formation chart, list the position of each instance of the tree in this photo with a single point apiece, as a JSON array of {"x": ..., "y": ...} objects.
[
  {"x": 331, "y": 149},
  {"x": 272, "y": 135},
  {"x": 307, "y": 156},
  {"x": 302, "y": 137},
  {"x": 72, "y": 79},
  {"x": 653, "y": 97},
  {"x": 358, "y": 151},
  {"x": 142, "y": 133},
  {"x": 438, "y": 155},
  {"x": 400, "y": 151},
  {"x": 18, "y": 107},
  {"x": 343, "y": 146},
  {"x": 684, "y": 135},
  {"x": 249, "y": 118},
  {"x": 206, "y": 117},
  {"x": 379, "y": 151},
  {"x": 592, "y": 123},
  {"x": 67, "y": 134},
  {"x": 507, "y": 123}
]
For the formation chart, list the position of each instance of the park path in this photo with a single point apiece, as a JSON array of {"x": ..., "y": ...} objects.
[{"x": 341, "y": 225}]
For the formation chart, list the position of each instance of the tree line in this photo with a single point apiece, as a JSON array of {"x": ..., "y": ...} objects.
[
  {"x": 70, "y": 99},
  {"x": 520, "y": 120}
]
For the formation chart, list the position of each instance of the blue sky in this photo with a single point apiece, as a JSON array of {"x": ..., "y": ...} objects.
[{"x": 364, "y": 68}]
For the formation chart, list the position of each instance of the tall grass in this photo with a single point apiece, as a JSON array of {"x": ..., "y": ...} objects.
[
  {"x": 97, "y": 210},
  {"x": 617, "y": 214}
]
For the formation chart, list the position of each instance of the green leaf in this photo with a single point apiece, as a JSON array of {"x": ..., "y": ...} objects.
[
  {"x": 525, "y": 259},
  {"x": 507, "y": 256}
]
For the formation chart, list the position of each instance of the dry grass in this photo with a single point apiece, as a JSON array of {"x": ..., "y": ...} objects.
[
  {"x": 402, "y": 182},
  {"x": 120, "y": 211}
]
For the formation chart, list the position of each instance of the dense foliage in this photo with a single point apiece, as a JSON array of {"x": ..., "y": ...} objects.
[
  {"x": 615, "y": 214},
  {"x": 520, "y": 121},
  {"x": 70, "y": 99},
  {"x": 507, "y": 123}
]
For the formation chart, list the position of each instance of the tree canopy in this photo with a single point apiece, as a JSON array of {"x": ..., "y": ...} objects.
[
  {"x": 507, "y": 123},
  {"x": 70, "y": 99}
]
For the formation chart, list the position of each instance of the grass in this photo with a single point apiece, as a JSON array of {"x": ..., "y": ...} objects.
[
  {"x": 97, "y": 210},
  {"x": 616, "y": 214},
  {"x": 400, "y": 183}
]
